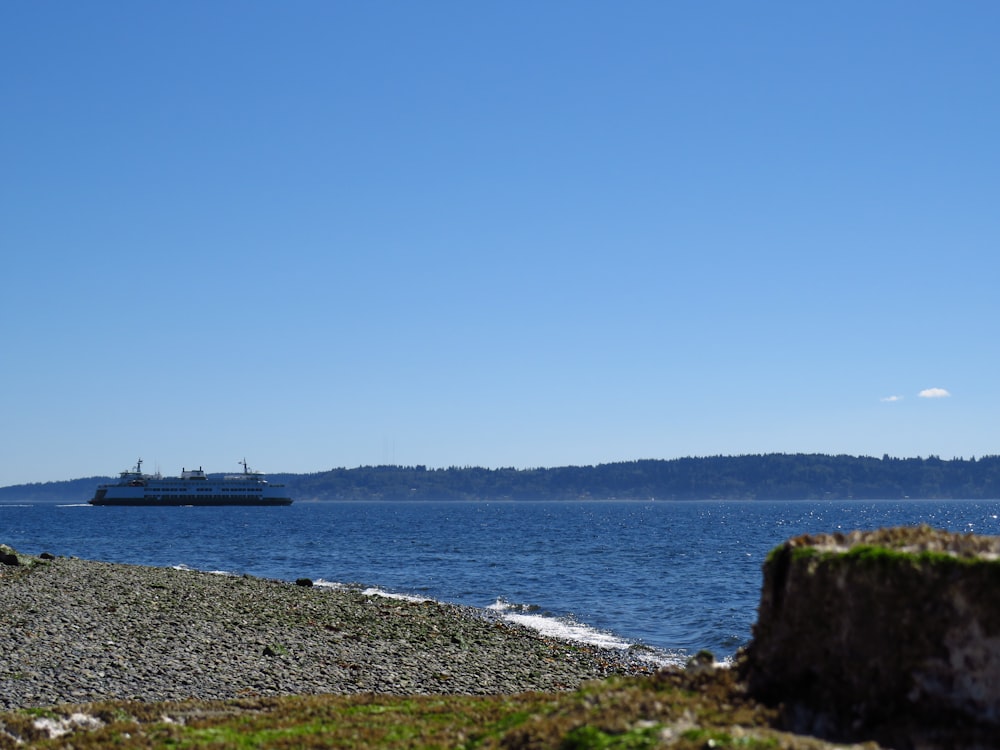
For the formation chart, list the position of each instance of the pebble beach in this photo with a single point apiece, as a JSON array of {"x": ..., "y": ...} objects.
[{"x": 78, "y": 631}]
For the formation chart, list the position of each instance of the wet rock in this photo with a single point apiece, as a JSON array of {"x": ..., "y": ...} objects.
[
  {"x": 891, "y": 635},
  {"x": 8, "y": 556}
]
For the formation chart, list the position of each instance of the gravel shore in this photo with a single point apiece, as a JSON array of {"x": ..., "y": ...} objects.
[{"x": 76, "y": 631}]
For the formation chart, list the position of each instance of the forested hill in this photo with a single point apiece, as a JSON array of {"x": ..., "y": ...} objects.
[
  {"x": 751, "y": 477},
  {"x": 773, "y": 476}
]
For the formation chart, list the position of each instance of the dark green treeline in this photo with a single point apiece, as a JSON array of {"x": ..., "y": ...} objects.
[
  {"x": 751, "y": 477},
  {"x": 775, "y": 476}
]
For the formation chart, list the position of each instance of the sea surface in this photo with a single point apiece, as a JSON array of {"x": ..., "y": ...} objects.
[{"x": 673, "y": 577}]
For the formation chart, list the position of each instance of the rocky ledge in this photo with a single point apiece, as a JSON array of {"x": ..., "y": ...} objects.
[
  {"x": 77, "y": 631},
  {"x": 891, "y": 635}
]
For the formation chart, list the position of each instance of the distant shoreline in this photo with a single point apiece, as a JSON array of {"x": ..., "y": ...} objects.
[{"x": 774, "y": 476}]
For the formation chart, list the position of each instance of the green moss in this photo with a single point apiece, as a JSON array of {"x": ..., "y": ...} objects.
[
  {"x": 879, "y": 555},
  {"x": 592, "y": 738},
  {"x": 42, "y": 713},
  {"x": 873, "y": 554},
  {"x": 805, "y": 553}
]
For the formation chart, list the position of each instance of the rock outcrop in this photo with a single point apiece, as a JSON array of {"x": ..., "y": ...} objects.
[
  {"x": 892, "y": 635},
  {"x": 8, "y": 556}
]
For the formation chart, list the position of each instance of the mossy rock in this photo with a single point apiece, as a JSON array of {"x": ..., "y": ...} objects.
[
  {"x": 872, "y": 634},
  {"x": 8, "y": 556}
]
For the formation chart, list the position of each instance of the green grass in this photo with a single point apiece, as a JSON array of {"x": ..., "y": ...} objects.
[{"x": 672, "y": 709}]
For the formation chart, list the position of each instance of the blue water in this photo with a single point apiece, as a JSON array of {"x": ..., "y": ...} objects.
[{"x": 674, "y": 576}]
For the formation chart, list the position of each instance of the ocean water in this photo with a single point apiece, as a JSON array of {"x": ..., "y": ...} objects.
[{"x": 674, "y": 577}]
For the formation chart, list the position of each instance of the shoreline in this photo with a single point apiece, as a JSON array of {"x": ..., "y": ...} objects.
[{"x": 80, "y": 630}]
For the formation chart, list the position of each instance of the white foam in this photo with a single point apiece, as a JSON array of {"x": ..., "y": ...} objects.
[
  {"x": 530, "y": 616},
  {"x": 371, "y": 591},
  {"x": 330, "y": 585},
  {"x": 568, "y": 631},
  {"x": 188, "y": 568},
  {"x": 375, "y": 591},
  {"x": 72, "y": 505},
  {"x": 563, "y": 628},
  {"x": 502, "y": 605}
]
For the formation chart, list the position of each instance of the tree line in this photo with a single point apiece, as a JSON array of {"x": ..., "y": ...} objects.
[{"x": 774, "y": 476}]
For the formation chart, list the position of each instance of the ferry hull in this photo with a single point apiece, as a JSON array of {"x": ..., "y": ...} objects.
[{"x": 165, "y": 502}]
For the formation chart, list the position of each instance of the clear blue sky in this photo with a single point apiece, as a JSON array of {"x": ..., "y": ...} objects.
[{"x": 323, "y": 234}]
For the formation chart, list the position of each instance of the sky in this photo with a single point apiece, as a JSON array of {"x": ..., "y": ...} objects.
[{"x": 506, "y": 234}]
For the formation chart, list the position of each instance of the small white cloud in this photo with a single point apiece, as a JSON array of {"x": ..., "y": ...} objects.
[
  {"x": 890, "y": 399},
  {"x": 934, "y": 393}
]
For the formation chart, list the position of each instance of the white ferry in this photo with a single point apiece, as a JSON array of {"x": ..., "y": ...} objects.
[{"x": 192, "y": 487}]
